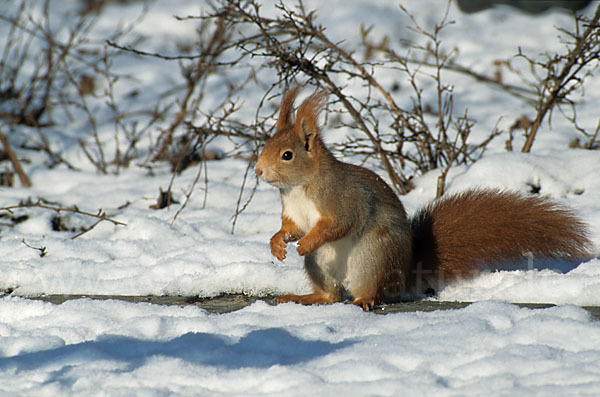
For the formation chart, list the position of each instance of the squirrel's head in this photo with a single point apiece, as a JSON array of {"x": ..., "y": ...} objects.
[{"x": 292, "y": 155}]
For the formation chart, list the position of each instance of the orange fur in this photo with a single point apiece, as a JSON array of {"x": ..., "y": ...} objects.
[
  {"x": 458, "y": 235},
  {"x": 317, "y": 297},
  {"x": 323, "y": 232}
]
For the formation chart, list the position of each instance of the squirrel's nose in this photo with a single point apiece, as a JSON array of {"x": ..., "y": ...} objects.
[{"x": 258, "y": 171}]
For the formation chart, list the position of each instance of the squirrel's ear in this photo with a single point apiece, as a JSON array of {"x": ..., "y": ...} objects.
[
  {"x": 306, "y": 127},
  {"x": 285, "y": 111}
]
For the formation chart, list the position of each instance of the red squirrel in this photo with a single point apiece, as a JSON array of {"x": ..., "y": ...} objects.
[{"x": 357, "y": 241}]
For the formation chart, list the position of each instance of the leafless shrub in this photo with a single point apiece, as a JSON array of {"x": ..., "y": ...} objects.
[
  {"x": 32, "y": 78},
  {"x": 430, "y": 134},
  {"x": 195, "y": 124},
  {"x": 560, "y": 75},
  {"x": 53, "y": 72},
  {"x": 439, "y": 136},
  {"x": 412, "y": 141}
]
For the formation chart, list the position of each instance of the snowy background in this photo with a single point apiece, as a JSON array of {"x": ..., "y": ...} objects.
[{"x": 117, "y": 348}]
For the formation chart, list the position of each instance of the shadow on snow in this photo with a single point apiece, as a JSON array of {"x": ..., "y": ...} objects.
[{"x": 258, "y": 349}]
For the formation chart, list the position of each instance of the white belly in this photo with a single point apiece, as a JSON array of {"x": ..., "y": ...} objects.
[
  {"x": 332, "y": 257},
  {"x": 300, "y": 209}
]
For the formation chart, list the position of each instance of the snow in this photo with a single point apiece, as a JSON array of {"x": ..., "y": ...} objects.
[
  {"x": 118, "y": 348},
  {"x": 115, "y": 348}
]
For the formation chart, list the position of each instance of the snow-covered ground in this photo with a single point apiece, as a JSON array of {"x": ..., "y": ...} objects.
[
  {"x": 117, "y": 348},
  {"x": 121, "y": 349}
]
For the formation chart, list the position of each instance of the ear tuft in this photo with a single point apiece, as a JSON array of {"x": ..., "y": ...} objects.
[
  {"x": 285, "y": 110},
  {"x": 306, "y": 127}
]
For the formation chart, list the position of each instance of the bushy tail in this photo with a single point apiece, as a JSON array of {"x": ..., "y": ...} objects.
[{"x": 457, "y": 235}]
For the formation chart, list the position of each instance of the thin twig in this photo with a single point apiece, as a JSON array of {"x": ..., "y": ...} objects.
[
  {"x": 188, "y": 194},
  {"x": 43, "y": 250},
  {"x": 87, "y": 229},
  {"x": 238, "y": 207}
]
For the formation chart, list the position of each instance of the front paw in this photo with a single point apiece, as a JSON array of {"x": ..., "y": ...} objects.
[
  {"x": 278, "y": 245},
  {"x": 306, "y": 246}
]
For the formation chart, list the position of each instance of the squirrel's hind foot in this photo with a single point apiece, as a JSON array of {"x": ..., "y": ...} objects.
[
  {"x": 315, "y": 298},
  {"x": 367, "y": 304}
]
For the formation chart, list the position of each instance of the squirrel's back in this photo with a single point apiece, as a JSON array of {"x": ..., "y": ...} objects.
[{"x": 455, "y": 236}]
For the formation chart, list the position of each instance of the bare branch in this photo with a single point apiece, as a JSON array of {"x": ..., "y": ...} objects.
[
  {"x": 100, "y": 215},
  {"x": 563, "y": 72}
]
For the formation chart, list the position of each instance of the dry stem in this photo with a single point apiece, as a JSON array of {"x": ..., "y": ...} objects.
[{"x": 100, "y": 215}]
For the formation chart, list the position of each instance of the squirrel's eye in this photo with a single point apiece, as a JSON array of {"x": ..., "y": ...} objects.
[{"x": 287, "y": 155}]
